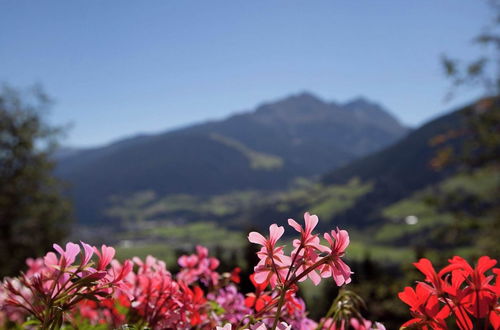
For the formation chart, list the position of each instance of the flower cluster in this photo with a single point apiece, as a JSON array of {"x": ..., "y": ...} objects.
[
  {"x": 281, "y": 272},
  {"x": 80, "y": 286},
  {"x": 54, "y": 285},
  {"x": 199, "y": 266},
  {"x": 307, "y": 259},
  {"x": 158, "y": 300},
  {"x": 467, "y": 293}
]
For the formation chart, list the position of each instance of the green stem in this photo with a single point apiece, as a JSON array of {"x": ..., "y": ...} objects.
[{"x": 280, "y": 305}]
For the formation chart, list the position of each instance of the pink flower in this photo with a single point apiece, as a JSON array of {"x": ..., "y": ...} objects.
[
  {"x": 50, "y": 260},
  {"x": 305, "y": 252},
  {"x": 365, "y": 325},
  {"x": 119, "y": 272},
  {"x": 275, "y": 233},
  {"x": 227, "y": 326},
  {"x": 55, "y": 283},
  {"x": 273, "y": 265},
  {"x": 105, "y": 256},
  {"x": 199, "y": 267},
  {"x": 306, "y": 236},
  {"x": 336, "y": 267},
  {"x": 88, "y": 252},
  {"x": 34, "y": 266},
  {"x": 69, "y": 255},
  {"x": 233, "y": 304}
]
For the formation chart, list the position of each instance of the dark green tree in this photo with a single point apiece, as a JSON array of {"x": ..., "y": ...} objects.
[{"x": 33, "y": 212}]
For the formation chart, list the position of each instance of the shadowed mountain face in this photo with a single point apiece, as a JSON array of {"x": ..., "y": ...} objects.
[
  {"x": 400, "y": 169},
  {"x": 264, "y": 149}
]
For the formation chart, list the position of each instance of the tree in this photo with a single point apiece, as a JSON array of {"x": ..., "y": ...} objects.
[
  {"x": 484, "y": 71},
  {"x": 33, "y": 212},
  {"x": 477, "y": 212}
]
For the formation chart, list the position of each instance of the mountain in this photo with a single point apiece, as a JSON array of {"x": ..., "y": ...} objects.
[
  {"x": 361, "y": 193},
  {"x": 401, "y": 169},
  {"x": 264, "y": 149}
]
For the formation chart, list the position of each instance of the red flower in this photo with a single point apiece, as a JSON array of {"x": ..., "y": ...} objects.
[
  {"x": 257, "y": 300},
  {"x": 424, "y": 307},
  {"x": 436, "y": 283},
  {"x": 480, "y": 294},
  {"x": 235, "y": 275},
  {"x": 467, "y": 291}
]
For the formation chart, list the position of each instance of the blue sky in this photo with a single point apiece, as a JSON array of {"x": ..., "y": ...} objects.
[{"x": 117, "y": 68}]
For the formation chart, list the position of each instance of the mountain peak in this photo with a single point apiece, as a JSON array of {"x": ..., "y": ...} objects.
[
  {"x": 304, "y": 98},
  {"x": 300, "y": 104},
  {"x": 360, "y": 102}
]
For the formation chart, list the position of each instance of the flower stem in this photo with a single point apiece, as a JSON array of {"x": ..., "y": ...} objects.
[{"x": 280, "y": 306}]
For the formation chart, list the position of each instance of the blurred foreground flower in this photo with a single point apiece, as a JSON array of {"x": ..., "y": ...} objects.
[
  {"x": 469, "y": 294},
  {"x": 80, "y": 286},
  {"x": 52, "y": 287}
]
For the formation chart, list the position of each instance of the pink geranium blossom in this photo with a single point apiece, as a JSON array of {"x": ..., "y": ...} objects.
[
  {"x": 307, "y": 247},
  {"x": 57, "y": 284},
  {"x": 105, "y": 256},
  {"x": 273, "y": 264},
  {"x": 336, "y": 267},
  {"x": 199, "y": 266},
  {"x": 67, "y": 256},
  {"x": 306, "y": 237}
]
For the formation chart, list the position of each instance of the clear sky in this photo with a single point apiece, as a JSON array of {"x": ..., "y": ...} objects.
[{"x": 117, "y": 68}]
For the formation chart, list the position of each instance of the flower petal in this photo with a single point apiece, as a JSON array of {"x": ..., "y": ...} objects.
[{"x": 255, "y": 237}]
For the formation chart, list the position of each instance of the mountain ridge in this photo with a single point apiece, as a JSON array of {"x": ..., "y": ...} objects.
[{"x": 267, "y": 148}]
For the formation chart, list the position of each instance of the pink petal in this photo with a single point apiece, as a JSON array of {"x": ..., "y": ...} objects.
[
  {"x": 105, "y": 256},
  {"x": 50, "y": 259},
  {"x": 89, "y": 251},
  {"x": 311, "y": 222},
  {"x": 201, "y": 251},
  {"x": 343, "y": 238},
  {"x": 338, "y": 278},
  {"x": 58, "y": 249},
  {"x": 255, "y": 237},
  {"x": 261, "y": 277},
  {"x": 344, "y": 268},
  {"x": 295, "y": 225},
  {"x": 329, "y": 238},
  {"x": 72, "y": 250},
  {"x": 315, "y": 278},
  {"x": 275, "y": 233}
]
